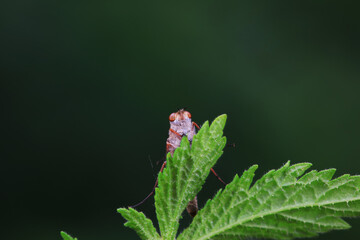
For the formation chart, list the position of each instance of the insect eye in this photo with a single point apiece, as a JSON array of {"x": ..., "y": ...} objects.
[
  {"x": 172, "y": 117},
  {"x": 188, "y": 114}
]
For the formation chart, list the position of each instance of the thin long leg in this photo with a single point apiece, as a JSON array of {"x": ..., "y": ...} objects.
[
  {"x": 177, "y": 134},
  {"x": 152, "y": 192},
  {"x": 216, "y": 175},
  {"x": 168, "y": 145},
  {"x": 197, "y": 126},
  {"x": 212, "y": 170}
]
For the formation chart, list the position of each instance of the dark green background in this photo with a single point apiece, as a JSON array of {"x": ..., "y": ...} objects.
[{"x": 87, "y": 88}]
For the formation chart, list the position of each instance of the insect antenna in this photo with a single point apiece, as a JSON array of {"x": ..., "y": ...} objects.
[
  {"x": 183, "y": 108},
  {"x": 230, "y": 145},
  {"x": 153, "y": 190},
  {"x": 152, "y": 166},
  {"x": 146, "y": 198}
]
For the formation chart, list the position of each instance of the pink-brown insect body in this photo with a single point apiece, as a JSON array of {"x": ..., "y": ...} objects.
[{"x": 181, "y": 125}]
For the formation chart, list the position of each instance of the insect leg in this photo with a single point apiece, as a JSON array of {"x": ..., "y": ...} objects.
[
  {"x": 178, "y": 134},
  {"x": 216, "y": 175},
  {"x": 197, "y": 126},
  {"x": 152, "y": 192}
]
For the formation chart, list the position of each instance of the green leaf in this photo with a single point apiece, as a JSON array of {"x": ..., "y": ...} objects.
[
  {"x": 138, "y": 222},
  {"x": 283, "y": 204},
  {"x": 66, "y": 236},
  {"x": 185, "y": 173}
]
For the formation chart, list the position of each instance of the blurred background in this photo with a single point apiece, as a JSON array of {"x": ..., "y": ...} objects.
[{"x": 87, "y": 88}]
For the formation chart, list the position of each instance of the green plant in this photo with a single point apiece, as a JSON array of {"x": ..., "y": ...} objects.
[
  {"x": 66, "y": 236},
  {"x": 283, "y": 204}
]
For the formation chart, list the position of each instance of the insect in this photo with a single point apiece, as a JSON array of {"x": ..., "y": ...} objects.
[{"x": 180, "y": 125}]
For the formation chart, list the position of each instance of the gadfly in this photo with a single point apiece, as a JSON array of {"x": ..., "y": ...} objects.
[{"x": 180, "y": 125}]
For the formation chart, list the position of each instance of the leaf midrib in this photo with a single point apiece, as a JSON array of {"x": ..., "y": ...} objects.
[
  {"x": 176, "y": 216},
  {"x": 187, "y": 185},
  {"x": 270, "y": 213}
]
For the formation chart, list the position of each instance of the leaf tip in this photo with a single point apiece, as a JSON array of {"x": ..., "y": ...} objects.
[
  {"x": 63, "y": 234},
  {"x": 221, "y": 120},
  {"x": 66, "y": 236},
  {"x": 184, "y": 142},
  {"x": 327, "y": 174},
  {"x": 223, "y": 116},
  {"x": 121, "y": 210},
  {"x": 299, "y": 168},
  {"x": 253, "y": 168}
]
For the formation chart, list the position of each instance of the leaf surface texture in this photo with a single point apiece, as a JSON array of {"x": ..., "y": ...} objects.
[
  {"x": 283, "y": 204},
  {"x": 185, "y": 173}
]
